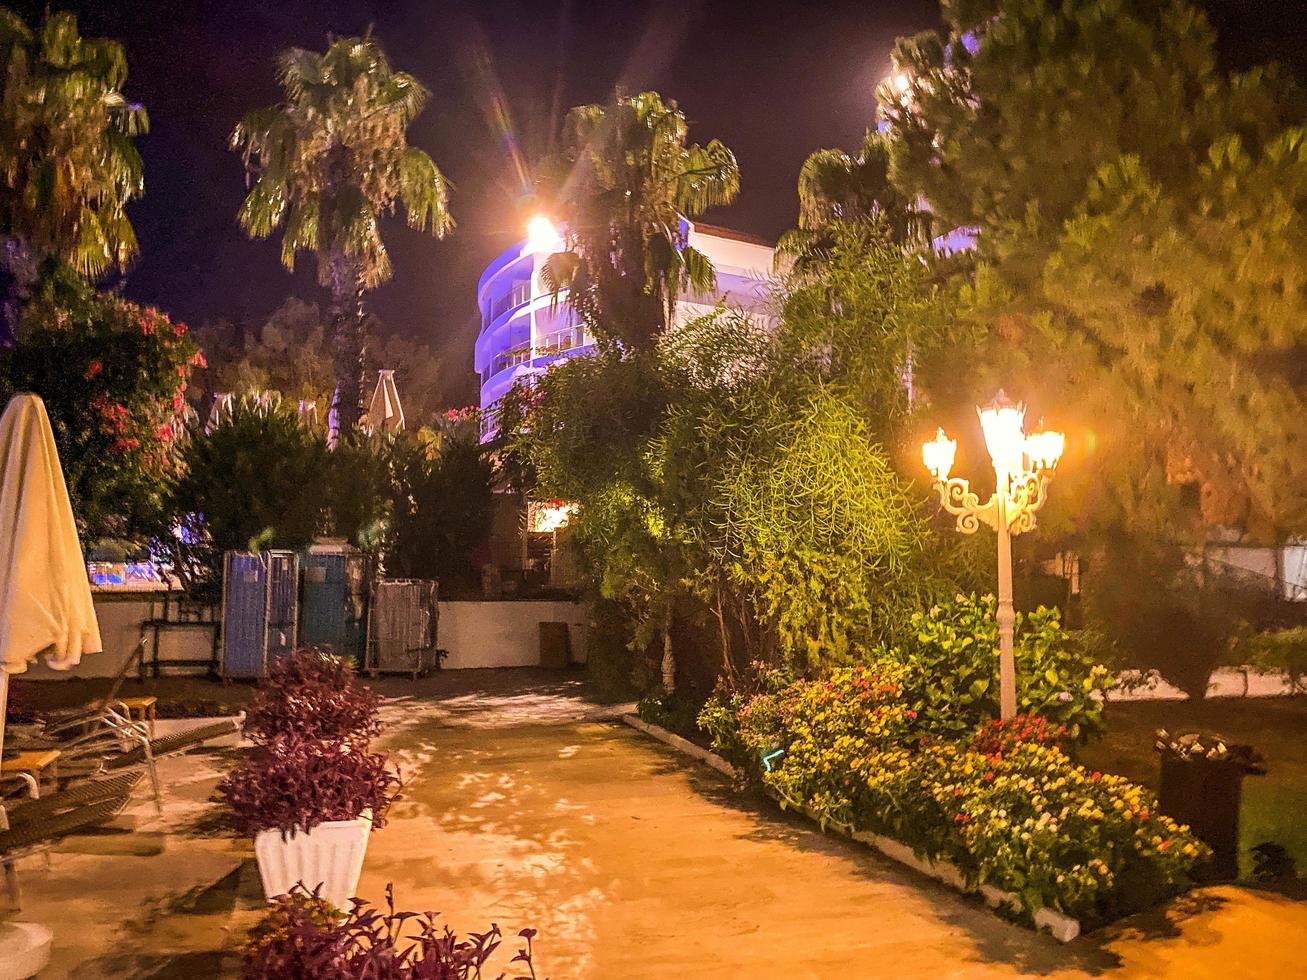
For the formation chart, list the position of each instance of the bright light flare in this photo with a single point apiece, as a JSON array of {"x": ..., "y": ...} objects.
[
  {"x": 938, "y": 455},
  {"x": 1044, "y": 449},
  {"x": 542, "y": 236},
  {"x": 1003, "y": 423}
]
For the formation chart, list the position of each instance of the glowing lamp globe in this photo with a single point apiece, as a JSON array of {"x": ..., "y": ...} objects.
[
  {"x": 938, "y": 455},
  {"x": 541, "y": 236},
  {"x": 1044, "y": 449},
  {"x": 1003, "y": 423}
]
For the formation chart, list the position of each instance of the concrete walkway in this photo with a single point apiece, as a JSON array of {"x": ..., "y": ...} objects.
[{"x": 527, "y": 806}]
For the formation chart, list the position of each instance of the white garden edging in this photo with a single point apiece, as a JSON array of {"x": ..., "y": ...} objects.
[
  {"x": 330, "y": 855},
  {"x": 1061, "y": 927}
]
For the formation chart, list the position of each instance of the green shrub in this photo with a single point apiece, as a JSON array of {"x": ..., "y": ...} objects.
[
  {"x": 257, "y": 480},
  {"x": 952, "y": 677},
  {"x": 1282, "y": 652}
]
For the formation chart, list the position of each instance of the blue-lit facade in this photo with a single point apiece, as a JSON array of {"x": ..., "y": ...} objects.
[{"x": 524, "y": 330}]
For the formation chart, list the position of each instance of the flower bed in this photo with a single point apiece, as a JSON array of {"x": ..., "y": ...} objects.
[{"x": 1020, "y": 816}]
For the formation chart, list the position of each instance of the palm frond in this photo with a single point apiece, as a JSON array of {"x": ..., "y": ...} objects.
[
  {"x": 424, "y": 192},
  {"x": 301, "y": 230},
  {"x": 264, "y": 207}
]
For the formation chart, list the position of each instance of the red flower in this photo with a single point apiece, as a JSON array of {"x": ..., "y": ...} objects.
[
  {"x": 197, "y": 360},
  {"x": 124, "y": 444},
  {"x": 164, "y": 432},
  {"x": 179, "y": 329},
  {"x": 148, "y": 326},
  {"x": 93, "y": 369}
]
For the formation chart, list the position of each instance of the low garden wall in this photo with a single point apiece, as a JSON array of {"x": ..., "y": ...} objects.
[
  {"x": 506, "y": 634},
  {"x": 476, "y": 634}
]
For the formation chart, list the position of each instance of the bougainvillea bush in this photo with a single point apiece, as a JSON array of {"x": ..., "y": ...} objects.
[
  {"x": 305, "y": 936},
  {"x": 952, "y": 681},
  {"x": 113, "y": 376},
  {"x": 311, "y": 694},
  {"x": 292, "y": 784},
  {"x": 1005, "y": 805}
]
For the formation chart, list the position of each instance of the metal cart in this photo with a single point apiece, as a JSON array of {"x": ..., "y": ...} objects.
[
  {"x": 334, "y": 600},
  {"x": 260, "y": 609},
  {"x": 402, "y": 619}
]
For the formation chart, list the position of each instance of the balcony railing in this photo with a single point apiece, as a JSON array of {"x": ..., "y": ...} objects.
[
  {"x": 519, "y": 292},
  {"x": 558, "y": 342}
]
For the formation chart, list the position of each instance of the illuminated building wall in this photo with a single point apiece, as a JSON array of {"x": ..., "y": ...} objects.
[{"x": 521, "y": 335}]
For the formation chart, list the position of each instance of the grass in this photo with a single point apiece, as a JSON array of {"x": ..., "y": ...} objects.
[{"x": 1274, "y": 805}]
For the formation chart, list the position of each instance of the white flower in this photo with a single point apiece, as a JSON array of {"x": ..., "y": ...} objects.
[{"x": 1064, "y": 696}]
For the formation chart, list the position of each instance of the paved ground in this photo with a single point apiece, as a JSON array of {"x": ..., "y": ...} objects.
[{"x": 528, "y": 807}]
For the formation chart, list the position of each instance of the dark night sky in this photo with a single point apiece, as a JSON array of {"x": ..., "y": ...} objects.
[{"x": 773, "y": 80}]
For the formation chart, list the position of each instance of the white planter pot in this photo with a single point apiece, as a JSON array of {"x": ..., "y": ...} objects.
[{"x": 330, "y": 855}]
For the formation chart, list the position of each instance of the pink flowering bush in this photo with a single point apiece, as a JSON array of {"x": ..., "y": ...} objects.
[{"x": 113, "y": 376}]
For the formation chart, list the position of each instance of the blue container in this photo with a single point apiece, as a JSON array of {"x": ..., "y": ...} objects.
[
  {"x": 260, "y": 604},
  {"x": 333, "y": 611}
]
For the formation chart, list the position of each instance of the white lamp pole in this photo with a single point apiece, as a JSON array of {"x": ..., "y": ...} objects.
[{"x": 1023, "y": 465}]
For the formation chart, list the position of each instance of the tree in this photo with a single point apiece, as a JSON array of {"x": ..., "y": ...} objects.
[
  {"x": 326, "y": 165},
  {"x": 66, "y": 150},
  {"x": 622, "y": 180},
  {"x": 291, "y": 354},
  {"x": 1141, "y": 226},
  {"x": 732, "y": 489},
  {"x": 835, "y": 188}
]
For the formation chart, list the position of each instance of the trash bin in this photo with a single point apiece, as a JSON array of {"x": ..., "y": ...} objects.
[
  {"x": 555, "y": 646},
  {"x": 1201, "y": 785}
]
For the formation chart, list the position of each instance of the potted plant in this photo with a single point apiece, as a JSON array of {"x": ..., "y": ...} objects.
[
  {"x": 303, "y": 936},
  {"x": 312, "y": 694},
  {"x": 310, "y": 805},
  {"x": 311, "y": 791}
]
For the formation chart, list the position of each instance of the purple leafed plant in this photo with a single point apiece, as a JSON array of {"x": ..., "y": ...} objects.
[
  {"x": 303, "y": 936},
  {"x": 293, "y": 784},
  {"x": 314, "y": 695}
]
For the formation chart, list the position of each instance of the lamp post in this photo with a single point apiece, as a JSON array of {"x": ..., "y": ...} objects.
[{"x": 1023, "y": 465}]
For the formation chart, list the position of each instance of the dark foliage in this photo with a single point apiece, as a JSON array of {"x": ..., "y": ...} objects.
[
  {"x": 311, "y": 694},
  {"x": 253, "y": 481},
  {"x": 441, "y": 523},
  {"x": 303, "y": 936},
  {"x": 293, "y": 784}
]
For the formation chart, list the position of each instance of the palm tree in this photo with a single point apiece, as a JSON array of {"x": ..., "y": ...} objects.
[
  {"x": 326, "y": 165},
  {"x": 622, "y": 180},
  {"x": 66, "y": 152},
  {"x": 835, "y": 187}
]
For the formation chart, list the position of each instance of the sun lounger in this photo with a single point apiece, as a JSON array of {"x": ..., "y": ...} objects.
[{"x": 31, "y": 827}]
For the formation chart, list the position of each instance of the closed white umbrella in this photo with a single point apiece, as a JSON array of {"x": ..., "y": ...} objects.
[
  {"x": 385, "y": 414},
  {"x": 45, "y": 598},
  {"x": 45, "y": 595}
]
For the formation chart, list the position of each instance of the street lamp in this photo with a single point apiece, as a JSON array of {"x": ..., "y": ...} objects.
[{"x": 1023, "y": 465}]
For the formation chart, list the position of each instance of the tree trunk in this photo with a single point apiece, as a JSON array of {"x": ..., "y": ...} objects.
[
  {"x": 669, "y": 659},
  {"x": 347, "y": 348},
  {"x": 18, "y": 271}
]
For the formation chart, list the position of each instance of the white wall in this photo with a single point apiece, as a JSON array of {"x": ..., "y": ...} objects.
[
  {"x": 505, "y": 634},
  {"x": 476, "y": 634},
  {"x": 120, "y": 620}
]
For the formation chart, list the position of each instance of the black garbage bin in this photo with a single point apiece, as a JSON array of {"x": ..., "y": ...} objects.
[{"x": 1201, "y": 785}]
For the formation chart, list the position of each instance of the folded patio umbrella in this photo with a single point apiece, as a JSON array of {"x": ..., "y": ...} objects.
[
  {"x": 385, "y": 414},
  {"x": 45, "y": 595}
]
